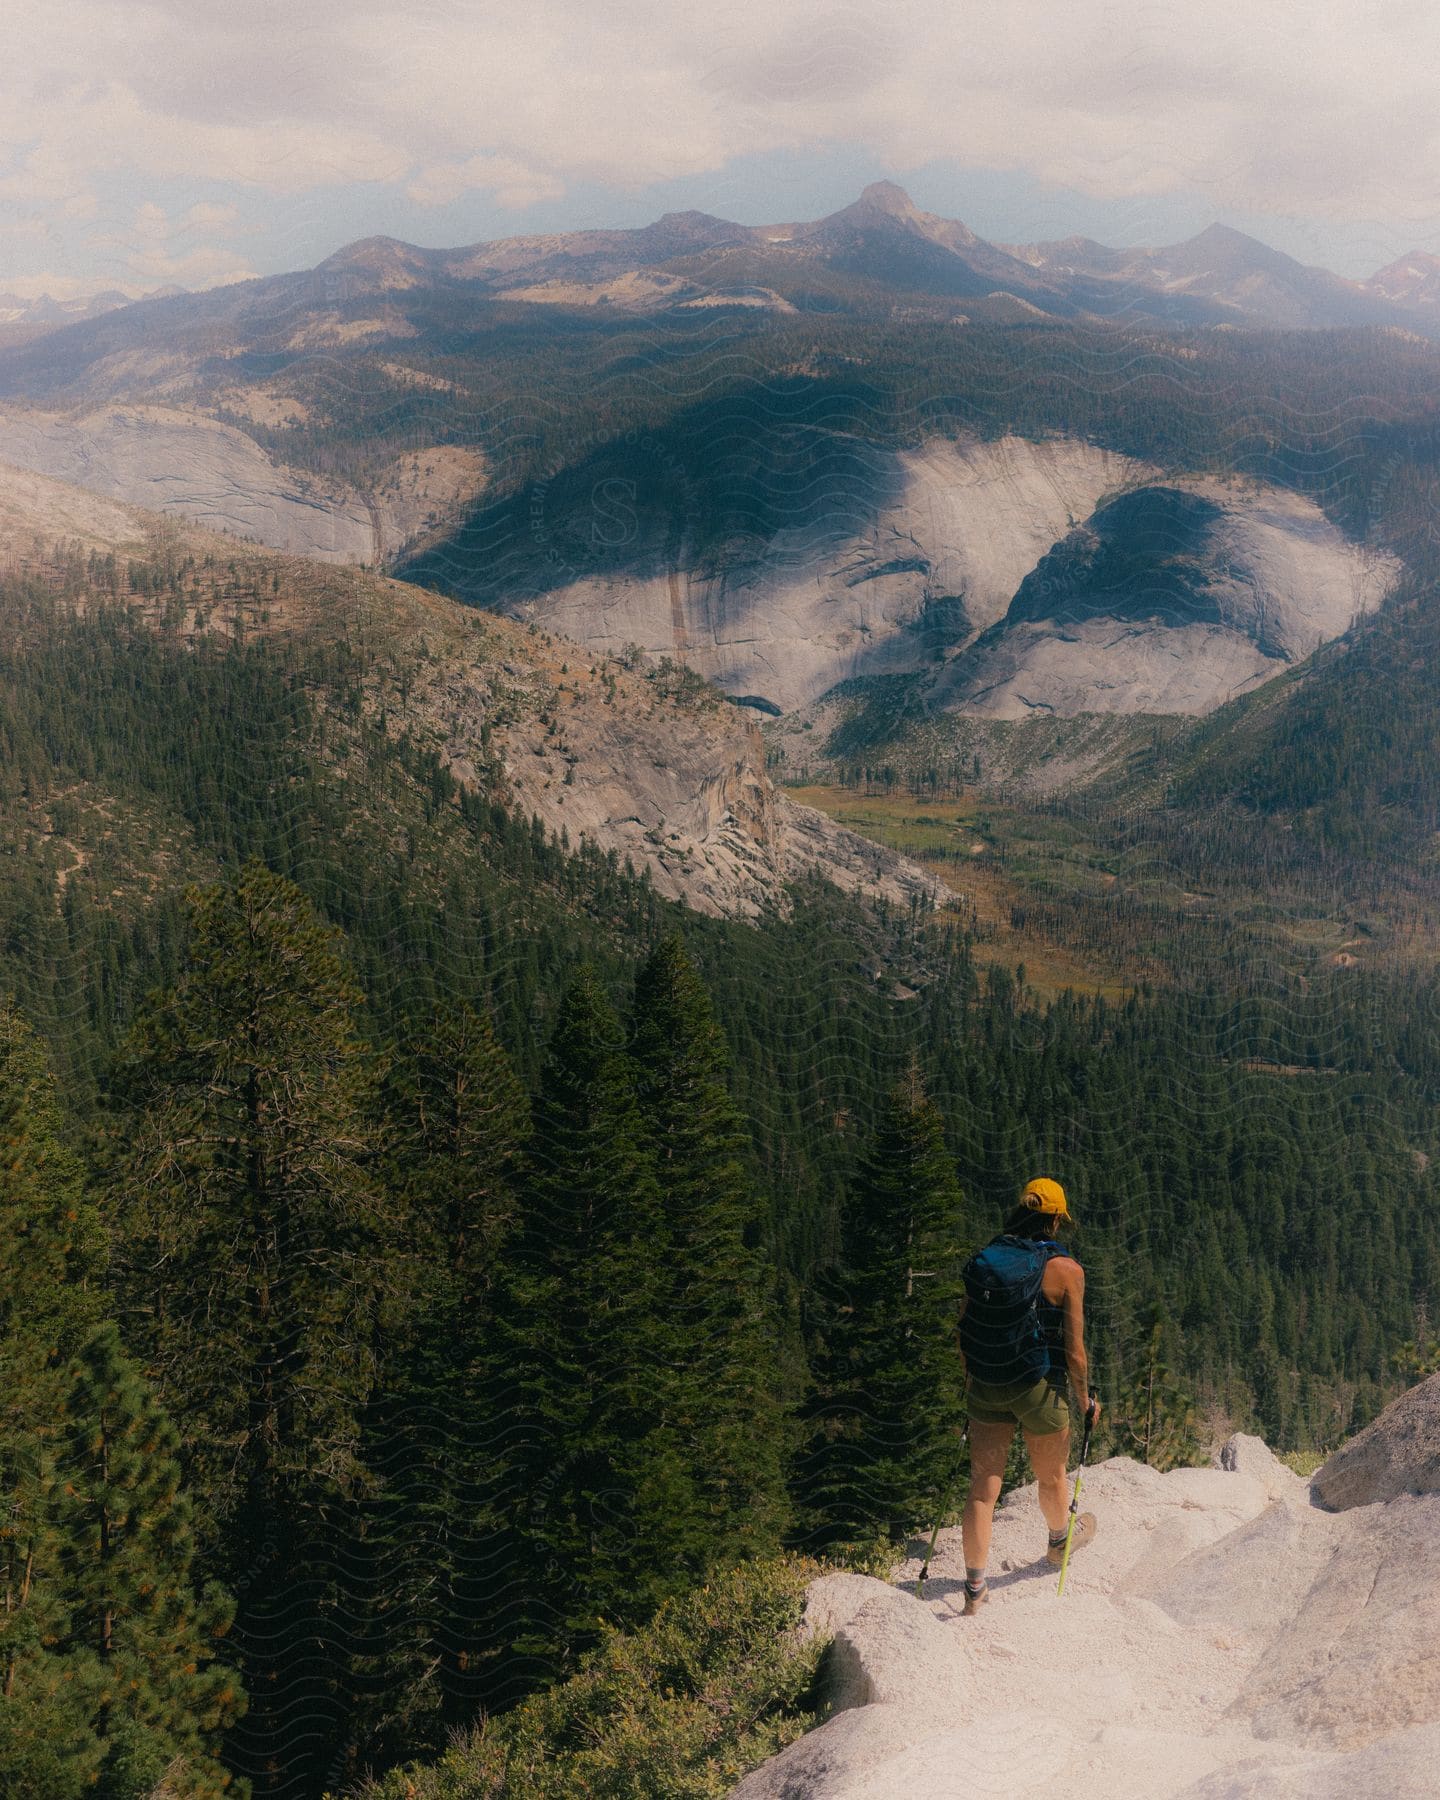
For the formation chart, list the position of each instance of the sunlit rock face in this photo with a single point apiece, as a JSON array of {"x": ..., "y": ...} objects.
[{"x": 1005, "y": 576}]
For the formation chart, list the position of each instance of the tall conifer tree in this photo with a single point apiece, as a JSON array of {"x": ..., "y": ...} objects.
[
  {"x": 583, "y": 1481},
  {"x": 47, "y": 1304},
  {"x": 248, "y": 1193},
  {"x": 250, "y": 1214},
  {"x": 458, "y": 1120},
  {"x": 718, "y": 1297},
  {"x": 103, "y": 1638},
  {"x": 889, "y": 1393},
  {"x": 126, "y": 1546}
]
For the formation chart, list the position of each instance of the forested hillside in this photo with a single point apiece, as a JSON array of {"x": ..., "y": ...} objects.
[{"x": 432, "y": 1249}]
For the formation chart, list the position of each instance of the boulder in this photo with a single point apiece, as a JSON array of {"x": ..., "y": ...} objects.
[
  {"x": 1252, "y": 1582},
  {"x": 1223, "y": 1639},
  {"x": 886, "y": 1647},
  {"x": 891, "y": 1671},
  {"x": 827, "y": 1762},
  {"x": 1398, "y": 1454},
  {"x": 1357, "y": 1662}
]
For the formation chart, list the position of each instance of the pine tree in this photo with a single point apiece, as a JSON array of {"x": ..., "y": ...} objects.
[
  {"x": 460, "y": 1119},
  {"x": 250, "y": 1218},
  {"x": 51, "y": 1227},
  {"x": 47, "y": 1304},
  {"x": 719, "y": 1302},
  {"x": 584, "y": 1480},
  {"x": 889, "y": 1395},
  {"x": 247, "y": 1193},
  {"x": 126, "y": 1547},
  {"x": 458, "y": 1124}
]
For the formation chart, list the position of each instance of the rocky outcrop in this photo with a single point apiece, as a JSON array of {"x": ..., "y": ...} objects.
[
  {"x": 1172, "y": 597},
  {"x": 1223, "y": 1636},
  {"x": 422, "y": 491},
  {"x": 37, "y": 511},
  {"x": 883, "y": 1650},
  {"x": 1398, "y": 1454},
  {"x": 188, "y": 466},
  {"x": 870, "y": 560},
  {"x": 1003, "y": 576},
  {"x": 679, "y": 787}
]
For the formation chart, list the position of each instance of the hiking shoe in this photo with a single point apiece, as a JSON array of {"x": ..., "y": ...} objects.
[
  {"x": 973, "y": 1602},
  {"x": 1084, "y": 1531}
]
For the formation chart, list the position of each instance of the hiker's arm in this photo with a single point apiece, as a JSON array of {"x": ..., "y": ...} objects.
[
  {"x": 960, "y": 1314},
  {"x": 1076, "y": 1361}
]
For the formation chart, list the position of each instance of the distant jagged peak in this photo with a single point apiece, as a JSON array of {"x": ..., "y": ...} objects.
[
  {"x": 45, "y": 309},
  {"x": 370, "y": 249},
  {"x": 1227, "y": 237},
  {"x": 693, "y": 219},
  {"x": 887, "y": 201},
  {"x": 1074, "y": 253},
  {"x": 1075, "y": 244},
  {"x": 1419, "y": 262},
  {"x": 890, "y": 197}
]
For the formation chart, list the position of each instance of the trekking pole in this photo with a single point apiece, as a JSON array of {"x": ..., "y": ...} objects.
[
  {"x": 1074, "y": 1502},
  {"x": 949, "y": 1496}
]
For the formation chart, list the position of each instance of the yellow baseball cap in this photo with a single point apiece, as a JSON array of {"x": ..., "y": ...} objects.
[{"x": 1045, "y": 1196}]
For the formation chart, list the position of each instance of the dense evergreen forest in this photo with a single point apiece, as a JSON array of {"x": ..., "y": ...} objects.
[{"x": 429, "y": 1250}]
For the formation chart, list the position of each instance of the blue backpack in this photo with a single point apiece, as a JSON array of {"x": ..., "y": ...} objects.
[{"x": 1001, "y": 1334}]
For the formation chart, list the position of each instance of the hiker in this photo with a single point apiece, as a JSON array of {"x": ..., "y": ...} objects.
[{"x": 1022, "y": 1331}]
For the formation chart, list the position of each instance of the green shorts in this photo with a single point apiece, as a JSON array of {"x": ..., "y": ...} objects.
[{"x": 1039, "y": 1409}]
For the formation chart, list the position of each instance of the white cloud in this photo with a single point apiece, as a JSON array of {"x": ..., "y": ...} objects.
[
  {"x": 209, "y": 215},
  {"x": 513, "y": 184},
  {"x": 153, "y": 250}
]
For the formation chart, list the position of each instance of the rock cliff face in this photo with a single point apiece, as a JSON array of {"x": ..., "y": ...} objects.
[
  {"x": 1223, "y": 1636},
  {"x": 1171, "y": 597},
  {"x": 1398, "y": 1454},
  {"x": 183, "y": 464},
  {"x": 1003, "y": 576},
  {"x": 193, "y": 468},
  {"x": 677, "y": 785},
  {"x": 859, "y": 560}
]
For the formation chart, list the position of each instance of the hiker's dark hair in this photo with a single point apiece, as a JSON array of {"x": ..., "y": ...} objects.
[{"x": 1025, "y": 1222}]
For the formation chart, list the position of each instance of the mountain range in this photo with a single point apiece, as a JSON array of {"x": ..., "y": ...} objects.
[
  {"x": 22, "y": 317},
  {"x": 1054, "y": 478},
  {"x": 882, "y": 242}
]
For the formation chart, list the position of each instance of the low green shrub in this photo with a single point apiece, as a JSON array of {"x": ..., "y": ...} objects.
[{"x": 679, "y": 1710}]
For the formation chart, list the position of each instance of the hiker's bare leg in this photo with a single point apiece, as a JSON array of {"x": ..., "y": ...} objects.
[
  {"x": 1049, "y": 1458},
  {"x": 989, "y": 1452}
]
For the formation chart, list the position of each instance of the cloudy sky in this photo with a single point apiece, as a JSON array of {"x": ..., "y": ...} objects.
[{"x": 196, "y": 141}]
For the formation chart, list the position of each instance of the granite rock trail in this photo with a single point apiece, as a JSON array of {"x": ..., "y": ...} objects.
[{"x": 1226, "y": 1637}]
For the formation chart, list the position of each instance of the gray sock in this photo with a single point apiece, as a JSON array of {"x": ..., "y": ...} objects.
[
  {"x": 974, "y": 1580},
  {"x": 1057, "y": 1538}
]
